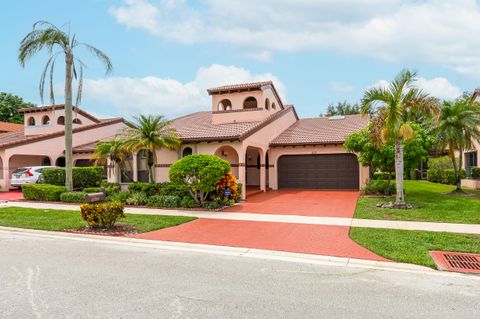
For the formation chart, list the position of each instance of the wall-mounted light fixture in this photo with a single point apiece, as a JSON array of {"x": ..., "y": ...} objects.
[{"x": 224, "y": 153}]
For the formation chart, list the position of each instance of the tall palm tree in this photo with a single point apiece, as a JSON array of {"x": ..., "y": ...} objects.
[
  {"x": 150, "y": 133},
  {"x": 47, "y": 36},
  {"x": 113, "y": 151},
  {"x": 458, "y": 126},
  {"x": 391, "y": 106}
]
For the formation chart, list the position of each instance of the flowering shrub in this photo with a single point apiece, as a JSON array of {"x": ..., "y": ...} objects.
[
  {"x": 102, "y": 215},
  {"x": 229, "y": 181}
]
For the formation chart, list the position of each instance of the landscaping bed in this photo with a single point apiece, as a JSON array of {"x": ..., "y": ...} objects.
[
  {"x": 60, "y": 220},
  {"x": 433, "y": 204},
  {"x": 413, "y": 247}
]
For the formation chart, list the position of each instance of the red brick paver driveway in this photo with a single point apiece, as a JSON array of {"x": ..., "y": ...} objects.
[
  {"x": 298, "y": 238},
  {"x": 11, "y": 195},
  {"x": 300, "y": 202}
]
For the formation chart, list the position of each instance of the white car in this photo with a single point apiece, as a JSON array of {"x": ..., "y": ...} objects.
[{"x": 28, "y": 175}]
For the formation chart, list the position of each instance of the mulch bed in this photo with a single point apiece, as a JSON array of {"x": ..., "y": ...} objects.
[{"x": 117, "y": 231}]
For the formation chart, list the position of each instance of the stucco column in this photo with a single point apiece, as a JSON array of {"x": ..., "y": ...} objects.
[
  {"x": 5, "y": 187},
  {"x": 135, "y": 167},
  {"x": 263, "y": 173},
  {"x": 242, "y": 172}
]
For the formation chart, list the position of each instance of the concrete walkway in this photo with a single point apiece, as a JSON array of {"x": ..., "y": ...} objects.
[{"x": 311, "y": 220}]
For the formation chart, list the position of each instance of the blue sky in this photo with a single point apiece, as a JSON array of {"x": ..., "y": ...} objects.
[{"x": 166, "y": 53}]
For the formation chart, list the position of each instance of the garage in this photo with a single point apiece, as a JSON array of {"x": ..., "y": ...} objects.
[{"x": 319, "y": 171}]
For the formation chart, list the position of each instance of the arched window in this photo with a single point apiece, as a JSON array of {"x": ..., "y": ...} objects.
[
  {"x": 45, "y": 120},
  {"x": 61, "y": 120},
  {"x": 224, "y": 105},
  {"x": 187, "y": 151},
  {"x": 77, "y": 121},
  {"x": 274, "y": 106},
  {"x": 250, "y": 103},
  {"x": 267, "y": 104},
  {"x": 31, "y": 121}
]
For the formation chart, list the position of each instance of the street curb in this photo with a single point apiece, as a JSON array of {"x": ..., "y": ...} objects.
[{"x": 233, "y": 251}]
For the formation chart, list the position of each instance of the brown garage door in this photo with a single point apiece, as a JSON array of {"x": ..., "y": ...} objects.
[{"x": 319, "y": 171}]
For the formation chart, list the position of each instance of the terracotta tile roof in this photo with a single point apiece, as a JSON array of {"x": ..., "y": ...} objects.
[
  {"x": 10, "y": 127},
  {"x": 321, "y": 130},
  {"x": 58, "y": 107},
  {"x": 19, "y": 138},
  {"x": 239, "y": 87},
  {"x": 89, "y": 147},
  {"x": 198, "y": 127}
]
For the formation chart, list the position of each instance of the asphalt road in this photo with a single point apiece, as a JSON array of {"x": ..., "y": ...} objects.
[{"x": 54, "y": 278}]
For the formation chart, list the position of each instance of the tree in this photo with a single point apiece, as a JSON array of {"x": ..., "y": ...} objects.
[
  {"x": 391, "y": 106},
  {"x": 113, "y": 151},
  {"x": 458, "y": 126},
  {"x": 47, "y": 36},
  {"x": 200, "y": 173},
  {"x": 9, "y": 105},
  {"x": 150, "y": 133},
  {"x": 342, "y": 108}
]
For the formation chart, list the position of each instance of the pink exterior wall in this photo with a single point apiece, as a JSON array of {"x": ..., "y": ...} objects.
[
  {"x": 275, "y": 153},
  {"x": 39, "y": 128}
]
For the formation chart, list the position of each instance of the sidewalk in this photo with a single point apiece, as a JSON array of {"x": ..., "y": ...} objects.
[{"x": 310, "y": 220}]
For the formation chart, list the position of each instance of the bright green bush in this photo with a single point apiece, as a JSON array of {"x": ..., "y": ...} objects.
[
  {"x": 43, "y": 192},
  {"x": 199, "y": 173},
  {"x": 475, "y": 171},
  {"x": 170, "y": 201},
  {"x": 448, "y": 176},
  {"x": 379, "y": 187},
  {"x": 90, "y": 190},
  {"x": 136, "y": 199},
  {"x": 119, "y": 197},
  {"x": 155, "y": 201},
  {"x": 436, "y": 168},
  {"x": 110, "y": 188},
  {"x": 102, "y": 215},
  {"x": 73, "y": 197},
  {"x": 187, "y": 202},
  {"x": 381, "y": 176},
  {"x": 82, "y": 176}
]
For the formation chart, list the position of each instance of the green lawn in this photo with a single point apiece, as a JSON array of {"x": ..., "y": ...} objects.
[
  {"x": 433, "y": 205},
  {"x": 410, "y": 246},
  {"x": 49, "y": 219}
]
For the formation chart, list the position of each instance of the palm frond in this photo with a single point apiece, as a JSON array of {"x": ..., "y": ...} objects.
[
  {"x": 101, "y": 56},
  {"x": 52, "y": 93}
]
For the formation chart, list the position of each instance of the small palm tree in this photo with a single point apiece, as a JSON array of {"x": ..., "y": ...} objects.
[
  {"x": 150, "y": 133},
  {"x": 47, "y": 36},
  {"x": 392, "y": 106},
  {"x": 113, "y": 151},
  {"x": 458, "y": 126}
]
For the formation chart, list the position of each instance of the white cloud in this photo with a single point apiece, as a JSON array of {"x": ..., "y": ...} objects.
[
  {"x": 341, "y": 87},
  {"x": 441, "y": 32},
  {"x": 438, "y": 87},
  {"x": 166, "y": 96}
]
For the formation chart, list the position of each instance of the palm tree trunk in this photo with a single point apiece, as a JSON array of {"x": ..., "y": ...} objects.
[
  {"x": 68, "y": 122},
  {"x": 400, "y": 198},
  {"x": 458, "y": 177}
]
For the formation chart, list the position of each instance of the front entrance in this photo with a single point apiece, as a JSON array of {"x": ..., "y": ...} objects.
[{"x": 318, "y": 171}]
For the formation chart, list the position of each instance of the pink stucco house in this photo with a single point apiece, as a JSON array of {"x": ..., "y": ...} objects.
[
  {"x": 41, "y": 139},
  {"x": 266, "y": 142}
]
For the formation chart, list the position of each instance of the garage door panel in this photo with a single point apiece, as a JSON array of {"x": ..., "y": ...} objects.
[{"x": 318, "y": 171}]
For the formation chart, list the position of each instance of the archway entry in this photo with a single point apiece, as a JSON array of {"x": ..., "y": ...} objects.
[
  {"x": 229, "y": 154},
  {"x": 254, "y": 165},
  {"x": 60, "y": 162}
]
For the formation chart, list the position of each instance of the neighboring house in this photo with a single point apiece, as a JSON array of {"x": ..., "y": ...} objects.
[
  {"x": 470, "y": 157},
  {"x": 266, "y": 143},
  {"x": 6, "y": 127},
  {"x": 40, "y": 141}
]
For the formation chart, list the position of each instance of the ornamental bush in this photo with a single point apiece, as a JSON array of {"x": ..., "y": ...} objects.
[
  {"x": 73, "y": 197},
  {"x": 102, "y": 215},
  {"x": 149, "y": 189},
  {"x": 199, "y": 173},
  {"x": 187, "y": 202},
  {"x": 43, "y": 192},
  {"x": 379, "y": 187},
  {"x": 229, "y": 181},
  {"x": 136, "y": 199},
  {"x": 82, "y": 176},
  {"x": 119, "y": 197},
  {"x": 110, "y": 188},
  {"x": 169, "y": 201}
]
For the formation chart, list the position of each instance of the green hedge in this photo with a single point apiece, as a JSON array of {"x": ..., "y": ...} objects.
[
  {"x": 475, "y": 171},
  {"x": 83, "y": 177},
  {"x": 73, "y": 197},
  {"x": 169, "y": 201},
  {"x": 379, "y": 187},
  {"x": 90, "y": 190},
  {"x": 448, "y": 176},
  {"x": 151, "y": 189},
  {"x": 44, "y": 192}
]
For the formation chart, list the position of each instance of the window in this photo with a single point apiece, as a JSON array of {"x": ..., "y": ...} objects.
[
  {"x": 77, "y": 121},
  {"x": 187, "y": 151},
  {"x": 31, "y": 121},
  {"x": 250, "y": 103},
  {"x": 274, "y": 106},
  {"x": 224, "y": 105},
  {"x": 61, "y": 120},
  {"x": 45, "y": 120},
  {"x": 470, "y": 161},
  {"x": 267, "y": 104}
]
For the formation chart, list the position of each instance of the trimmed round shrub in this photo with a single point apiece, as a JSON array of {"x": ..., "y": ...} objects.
[
  {"x": 73, "y": 197},
  {"x": 43, "y": 192},
  {"x": 102, "y": 215},
  {"x": 82, "y": 176},
  {"x": 90, "y": 190},
  {"x": 379, "y": 187},
  {"x": 199, "y": 173}
]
